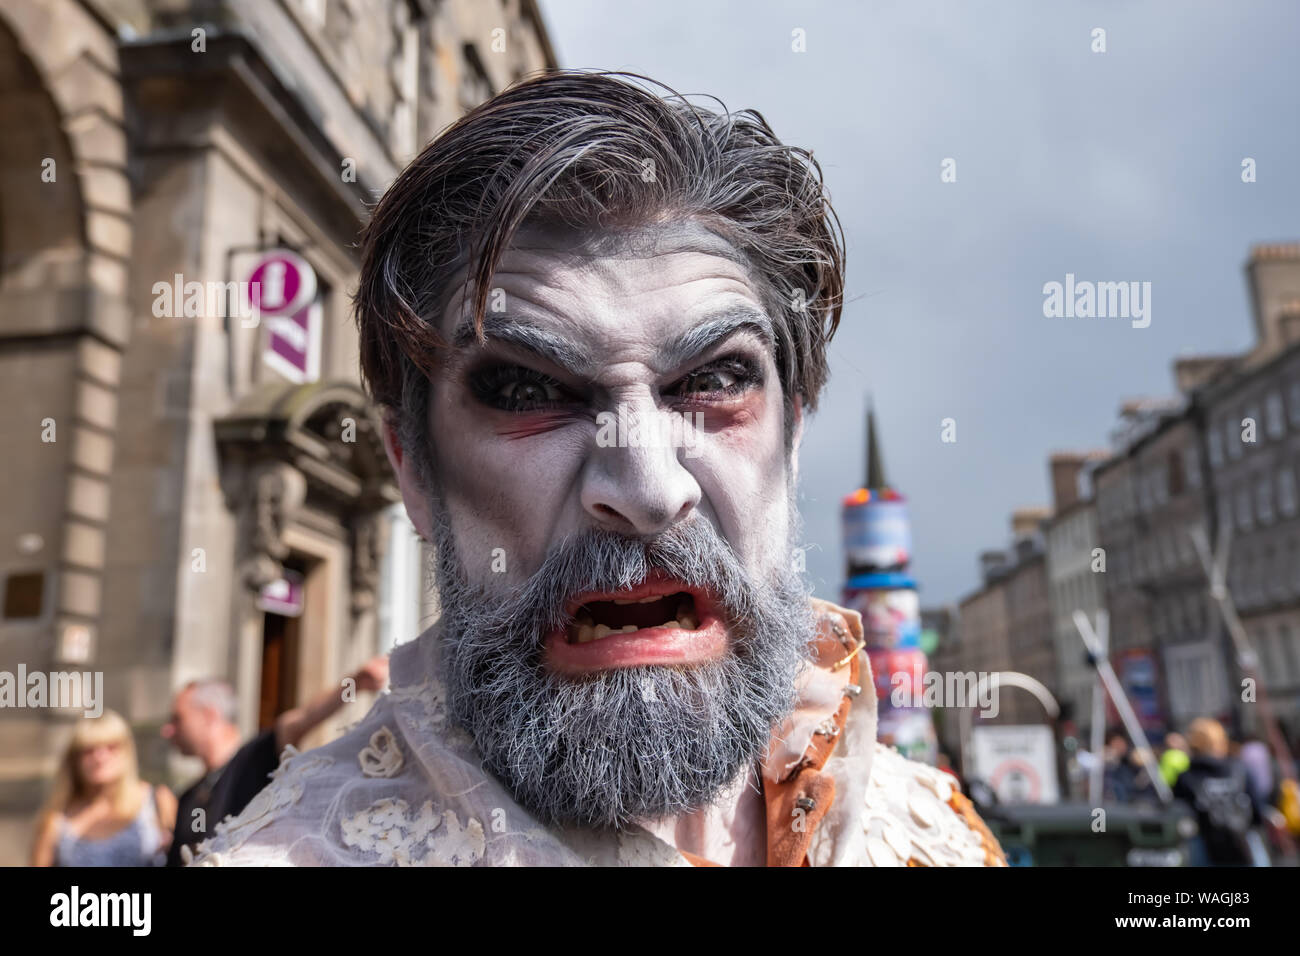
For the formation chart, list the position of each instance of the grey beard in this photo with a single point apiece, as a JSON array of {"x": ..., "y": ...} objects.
[{"x": 638, "y": 743}]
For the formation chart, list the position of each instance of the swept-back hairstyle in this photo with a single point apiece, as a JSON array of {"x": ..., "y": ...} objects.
[{"x": 591, "y": 151}]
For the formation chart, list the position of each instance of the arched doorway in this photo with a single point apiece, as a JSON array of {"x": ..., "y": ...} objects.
[{"x": 305, "y": 473}]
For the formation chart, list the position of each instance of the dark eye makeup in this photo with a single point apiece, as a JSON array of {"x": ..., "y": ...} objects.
[
  {"x": 518, "y": 388},
  {"x": 720, "y": 379}
]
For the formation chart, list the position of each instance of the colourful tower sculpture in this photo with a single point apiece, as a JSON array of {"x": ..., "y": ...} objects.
[{"x": 877, "y": 552}]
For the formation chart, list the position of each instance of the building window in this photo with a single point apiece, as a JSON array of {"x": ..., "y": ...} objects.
[
  {"x": 1244, "y": 521},
  {"x": 1290, "y": 646},
  {"x": 1177, "y": 482},
  {"x": 1273, "y": 415},
  {"x": 24, "y": 596},
  {"x": 1232, "y": 435},
  {"x": 1264, "y": 501},
  {"x": 1295, "y": 404},
  {"x": 1263, "y": 653},
  {"x": 1295, "y": 566},
  {"x": 1216, "y": 448},
  {"x": 1286, "y": 497},
  {"x": 1191, "y": 467}
]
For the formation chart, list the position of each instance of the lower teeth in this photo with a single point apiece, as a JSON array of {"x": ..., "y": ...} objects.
[{"x": 587, "y": 633}]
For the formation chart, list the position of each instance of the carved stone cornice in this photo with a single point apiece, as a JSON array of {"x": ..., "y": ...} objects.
[{"x": 284, "y": 445}]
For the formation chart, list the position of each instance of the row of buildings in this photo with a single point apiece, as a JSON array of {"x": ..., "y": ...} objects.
[
  {"x": 1220, "y": 458},
  {"x": 187, "y": 494}
]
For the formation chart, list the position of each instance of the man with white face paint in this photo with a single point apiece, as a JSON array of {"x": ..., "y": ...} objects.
[{"x": 628, "y": 667}]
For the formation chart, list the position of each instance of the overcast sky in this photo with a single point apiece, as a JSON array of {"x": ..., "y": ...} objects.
[{"x": 1115, "y": 166}]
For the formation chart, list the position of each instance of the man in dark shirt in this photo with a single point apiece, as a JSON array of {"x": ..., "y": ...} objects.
[{"x": 203, "y": 725}]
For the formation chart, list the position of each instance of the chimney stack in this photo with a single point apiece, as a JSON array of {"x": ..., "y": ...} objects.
[
  {"x": 1025, "y": 521},
  {"x": 1274, "y": 277},
  {"x": 991, "y": 562},
  {"x": 1065, "y": 468}
]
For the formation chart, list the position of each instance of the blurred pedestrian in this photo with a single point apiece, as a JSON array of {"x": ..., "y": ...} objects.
[
  {"x": 1118, "y": 777},
  {"x": 1175, "y": 758},
  {"x": 1257, "y": 760},
  {"x": 203, "y": 725},
  {"x": 1218, "y": 790},
  {"x": 100, "y": 813},
  {"x": 1142, "y": 788}
]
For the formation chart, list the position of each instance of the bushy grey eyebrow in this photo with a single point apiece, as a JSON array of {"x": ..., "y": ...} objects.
[
  {"x": 579, "y": 361},
  {"x": 716, "y": 329},
  {"x": 512, "y": 330}
]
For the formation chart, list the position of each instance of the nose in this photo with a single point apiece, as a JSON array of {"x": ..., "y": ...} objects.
[{"x": 634, "y": 481}]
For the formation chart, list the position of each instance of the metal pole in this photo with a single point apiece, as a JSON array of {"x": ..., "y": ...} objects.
[
  {"x": 1096, "y": 776},
  {"x": 1247, "y": 659},
  {"x": 1116, "y": 691}
]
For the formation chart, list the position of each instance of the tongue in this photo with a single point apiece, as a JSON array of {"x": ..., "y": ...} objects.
[{"x": 652, "y": 614}]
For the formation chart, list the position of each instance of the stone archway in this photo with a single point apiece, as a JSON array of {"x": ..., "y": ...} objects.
[
  {"x": 65, "y": 246},
  {"x": 65, "y": 239}
]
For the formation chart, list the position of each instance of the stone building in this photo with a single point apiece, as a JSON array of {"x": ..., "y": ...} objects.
[
  {"x": 1075, "y": 580},
  {"x": 1251, "y": 412},
  {"x": 193, "y": 487},
  {"x": 1222, "y": 457},
  {"x": 1029, "y": 616},
  {"x": 1166, "y": 643},
  {"x": 1006, "y": 625}
]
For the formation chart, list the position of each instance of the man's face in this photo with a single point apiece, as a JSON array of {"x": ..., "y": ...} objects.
[
  {"x": 614, "y": 517},
  {"x": 515, "y": 431},
  {"x": 188, "y": 724}
]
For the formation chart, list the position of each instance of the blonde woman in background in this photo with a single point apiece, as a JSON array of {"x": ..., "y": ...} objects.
[{"x": 101, "y": 813}]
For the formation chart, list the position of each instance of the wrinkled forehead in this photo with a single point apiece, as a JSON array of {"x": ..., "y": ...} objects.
[{"x": 562, "y": 269}]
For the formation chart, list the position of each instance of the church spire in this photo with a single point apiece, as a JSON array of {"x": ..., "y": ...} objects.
[{"x": 875, "y": 463}]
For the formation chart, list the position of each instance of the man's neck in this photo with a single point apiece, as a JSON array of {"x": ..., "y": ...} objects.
[
  {"x": 731, "y": 832},
  {"x": 220, "y": 749}
]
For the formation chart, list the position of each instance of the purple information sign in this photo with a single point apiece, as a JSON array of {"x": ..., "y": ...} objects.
[{"x": 282, "y": 291}]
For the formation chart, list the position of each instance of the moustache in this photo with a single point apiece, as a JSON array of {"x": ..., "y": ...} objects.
[{"x": 692, "y": 555}]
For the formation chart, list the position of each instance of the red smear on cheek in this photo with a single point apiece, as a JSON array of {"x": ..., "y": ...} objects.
[
  {"x": 744, "y": 413},
  {"x": 536, "y": 423}
]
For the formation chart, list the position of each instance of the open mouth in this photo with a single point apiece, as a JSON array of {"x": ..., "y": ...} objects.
[
  {"x": 659, "y": 622},
  {"x": 598, "y": 619}
]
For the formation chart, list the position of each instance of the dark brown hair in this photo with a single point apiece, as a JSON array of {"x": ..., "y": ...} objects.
[{"x": 592, "y": 151}]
